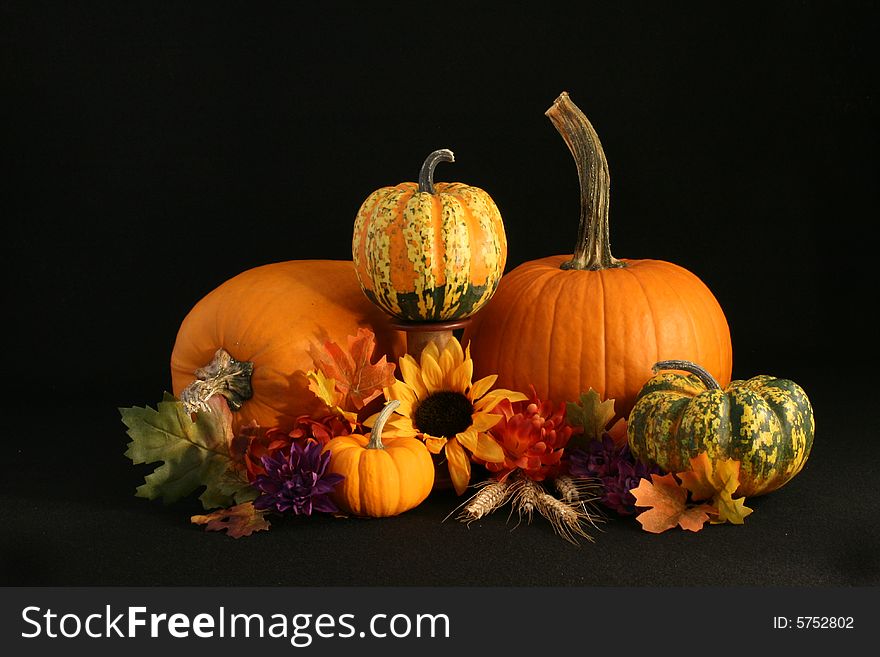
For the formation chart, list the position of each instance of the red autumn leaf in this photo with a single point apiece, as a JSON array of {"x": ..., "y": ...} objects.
[
  {"x": 667, "y": 505},
  {"x": 357, "y": 379},
  {"x": 237, "y": 521}
]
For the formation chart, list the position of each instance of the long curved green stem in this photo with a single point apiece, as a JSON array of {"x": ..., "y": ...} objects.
[
  {"x": 593, "y": 247},
  {"x": 692, "y": 368}
]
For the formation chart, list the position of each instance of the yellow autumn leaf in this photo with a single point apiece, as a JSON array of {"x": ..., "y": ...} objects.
[
  {"x": 716, "y": 481},
  {"x": 324, "y": 388},
  {"x": 730, "y": 510}
]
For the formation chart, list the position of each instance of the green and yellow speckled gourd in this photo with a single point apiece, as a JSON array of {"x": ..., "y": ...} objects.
[
  {"x": 764, "y": 422},
  {"x": 429, "y": 252}
]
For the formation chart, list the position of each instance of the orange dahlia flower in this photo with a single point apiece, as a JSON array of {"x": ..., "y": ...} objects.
[{"x": 533, "y": 435}]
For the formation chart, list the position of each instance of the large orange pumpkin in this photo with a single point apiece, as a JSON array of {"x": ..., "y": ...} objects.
[
  {"x": 569, "y": 323},
  {"x": 258, "y": 327}
]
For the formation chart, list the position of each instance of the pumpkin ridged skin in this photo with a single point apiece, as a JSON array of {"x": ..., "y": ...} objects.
[
  {"x": 380, "y": 482},
  {"x": 425, "y": 256},
  {"x": 270, "y": 315},
  {"x": 764, "y": 422},
  {"x": 568, "y": 330}
]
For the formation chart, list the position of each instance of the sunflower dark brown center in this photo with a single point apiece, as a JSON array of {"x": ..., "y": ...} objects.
[{"x": 443, "y": 414}]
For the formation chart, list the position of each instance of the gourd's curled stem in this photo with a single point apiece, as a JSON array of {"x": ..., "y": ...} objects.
[
  {"x": 426, "y": 175},
  {"x": 381, "y": 419},
  {"x": 593, "y": 247},
  {"x": 688, "y": 366}
]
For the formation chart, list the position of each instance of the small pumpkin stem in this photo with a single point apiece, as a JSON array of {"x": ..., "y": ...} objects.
[
  {"x": 593, "y": 247},
  {"x": 426, "y": 175},
  {"x": 222, "y": 376},
  {"x": 376, "y": 433},
  {"x": 687, "y": 366}
]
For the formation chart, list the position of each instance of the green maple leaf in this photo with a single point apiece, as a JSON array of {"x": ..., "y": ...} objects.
[
  {"x": 592, "y": 414},
  {"x": 193, "y": 449}
]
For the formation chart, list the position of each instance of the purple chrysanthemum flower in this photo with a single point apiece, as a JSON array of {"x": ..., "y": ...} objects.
[
  {"x": 297, "y": 480},
  {"x": 617, "y": 469}
]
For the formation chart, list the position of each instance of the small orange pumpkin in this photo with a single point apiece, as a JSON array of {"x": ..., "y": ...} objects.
[{"x": 381, "y": 478}]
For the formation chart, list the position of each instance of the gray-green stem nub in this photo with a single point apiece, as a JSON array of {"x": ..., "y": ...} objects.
[
  {"x": 376, "y": 433},
  {"x": 426, "y": 175},
  {"x": 692, "y": 368},
  {"x": 222, "y": 376}
]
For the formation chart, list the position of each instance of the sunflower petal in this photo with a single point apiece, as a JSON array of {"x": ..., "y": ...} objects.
[
  {"x": 461, "y": 377},
  {"x": 431, "y": 350},
  {"x": 454, "y": 348},
  {"x": 488, "y": 449},
  {"x": 398, "y": 432},
  {"x": 482, "y": 446},
  {"x": 432, "y": 374},
  {"x": 447, "y": 366},
  {"x": 397, "y": 426},
  {"x": 405, "y": 395},
  {"x": 412, "y": 375},
  {"x": 435, "y": 445},
  {"x": 484, "y": 421},
  {"x": 467, "y": 439},
  {"x": 482, "y": 386},
  {"x": 459, "y": 466},
  {"x": 491, "y": 399}
]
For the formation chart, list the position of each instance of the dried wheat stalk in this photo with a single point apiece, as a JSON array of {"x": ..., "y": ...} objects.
[
  {"x": 525, "y": 497},
  {"x": 566, "y": 519},
  {"x": 491, "y": 495},
  {"x": 568, "y": 516}
]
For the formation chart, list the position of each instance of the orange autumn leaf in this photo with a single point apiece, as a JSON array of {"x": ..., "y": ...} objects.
[
  {"x": 618, "y": 433},
  {"x": 357, "y": 381},
  {"x": 700, "y": 479},
  {"x": 667, "y": 505},
  {"x": 716, "y": 481},
  {"x": 237, "y": 521}
]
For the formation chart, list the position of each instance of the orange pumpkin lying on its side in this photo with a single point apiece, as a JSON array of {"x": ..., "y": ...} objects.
[{"x": 268, "y": 317}]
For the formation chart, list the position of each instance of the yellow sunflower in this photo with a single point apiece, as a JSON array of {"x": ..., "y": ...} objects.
[{"x": 440, "y": 404}]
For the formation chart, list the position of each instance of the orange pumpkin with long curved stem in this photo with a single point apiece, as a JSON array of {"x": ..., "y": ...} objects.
[{"x": 569, "y": 323}]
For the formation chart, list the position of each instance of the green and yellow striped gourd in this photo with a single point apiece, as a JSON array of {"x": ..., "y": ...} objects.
[
  {"x": 426, "y": 252},
  {"x": 764, "y": 422}
]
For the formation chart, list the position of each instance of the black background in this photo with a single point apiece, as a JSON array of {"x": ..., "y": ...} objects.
[{"x": 153, "y": 150}]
